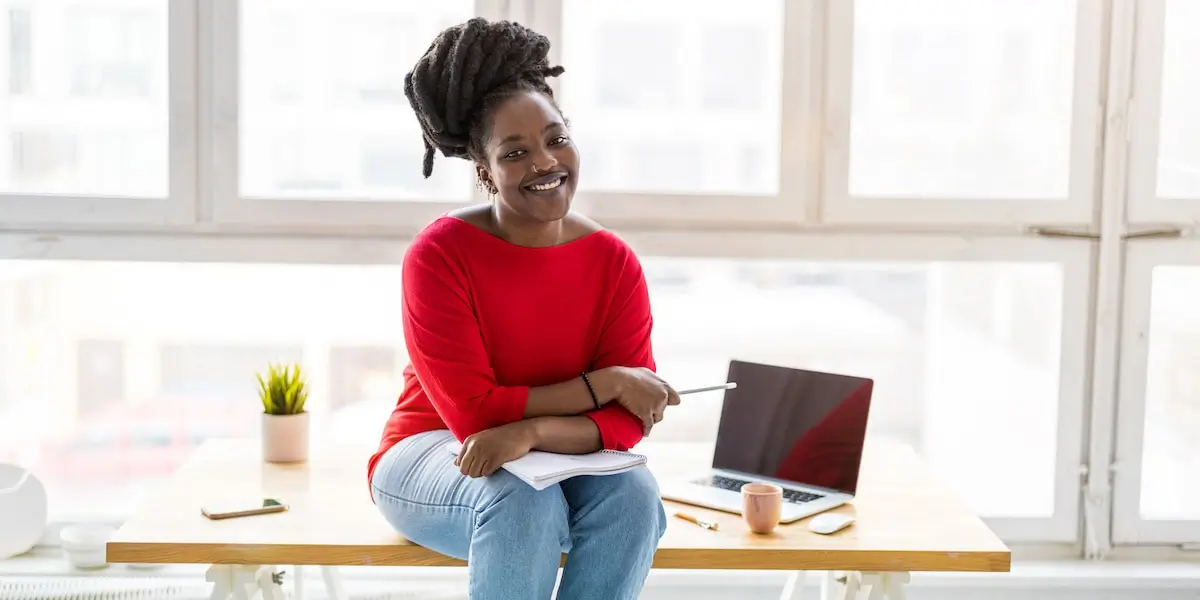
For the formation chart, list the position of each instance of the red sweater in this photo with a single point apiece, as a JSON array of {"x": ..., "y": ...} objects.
[{"x": 485, "y": 320}]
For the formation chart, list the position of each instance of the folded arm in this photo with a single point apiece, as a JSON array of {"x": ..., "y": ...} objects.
[{"x": 624, "y": 342}]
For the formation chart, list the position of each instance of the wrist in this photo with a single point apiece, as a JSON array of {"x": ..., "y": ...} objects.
[
  {"x": 607, "y": 383},
  {"x": 532, "y": 431}
]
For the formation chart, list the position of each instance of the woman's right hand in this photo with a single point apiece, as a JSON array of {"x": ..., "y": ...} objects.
[{"x": 645, "y": 394}]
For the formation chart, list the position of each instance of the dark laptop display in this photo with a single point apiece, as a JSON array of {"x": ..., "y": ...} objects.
[{"x": 794, "y": 425}]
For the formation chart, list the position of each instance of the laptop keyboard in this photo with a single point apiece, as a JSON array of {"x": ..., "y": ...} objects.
[{"x": 735, "y": 485}]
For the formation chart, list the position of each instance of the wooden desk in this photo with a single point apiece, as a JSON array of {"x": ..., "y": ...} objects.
[{"x": 907, "y": 521}]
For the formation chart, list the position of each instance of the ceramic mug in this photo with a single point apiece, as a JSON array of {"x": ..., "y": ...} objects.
[{"x": 762, "y": 504}]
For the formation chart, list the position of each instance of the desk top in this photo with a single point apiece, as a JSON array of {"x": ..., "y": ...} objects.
[{"x": 907, "y": 520}]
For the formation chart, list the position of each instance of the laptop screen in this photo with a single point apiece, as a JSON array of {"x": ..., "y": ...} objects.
[{"x": 795, "y": 425}]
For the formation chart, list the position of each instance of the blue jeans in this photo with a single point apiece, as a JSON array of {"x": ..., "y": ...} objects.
[{"x": 513, "y": 536}]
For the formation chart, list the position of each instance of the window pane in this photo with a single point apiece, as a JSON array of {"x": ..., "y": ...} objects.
[
  {"x": 111, "y": 373},
  {"x": 323, "y": 112},
  {"x": 1171, "y": 451},
  {"x": 84, "y": 111},
  {"x": 963, "y": 355},
  {"x": 1179, "y": 129},
  {"x": 962, "y": 100},
  {"x": 674, "y": 96}
]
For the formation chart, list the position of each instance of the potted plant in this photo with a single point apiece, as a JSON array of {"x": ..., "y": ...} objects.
[{"x": 285, "y": 422}]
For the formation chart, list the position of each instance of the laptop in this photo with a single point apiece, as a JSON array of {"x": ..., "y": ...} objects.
[{"x": 801, "y": 430}]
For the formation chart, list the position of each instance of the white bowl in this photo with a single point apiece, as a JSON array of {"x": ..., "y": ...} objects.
[{"x": 85, "y": 545}]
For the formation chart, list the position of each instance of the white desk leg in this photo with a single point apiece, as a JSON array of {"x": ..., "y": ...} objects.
[
  {"x": 243, "y": 582},
  {"x": 297, "y": 582},
  {"x": 879, "y": 586},
  {"x": 794, "y": 588},
  {"x": 270, "y": 583},
  {"x": 334, "y": 586},
  {"x": 221, "y": 576}
]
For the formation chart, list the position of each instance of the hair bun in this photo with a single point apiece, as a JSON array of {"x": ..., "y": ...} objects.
[{"x": 464, "y": 64}]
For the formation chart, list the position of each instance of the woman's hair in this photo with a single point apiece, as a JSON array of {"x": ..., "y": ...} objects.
[{"x": 468, "y": 70}]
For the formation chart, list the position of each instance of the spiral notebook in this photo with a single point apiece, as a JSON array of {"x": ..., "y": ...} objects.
[{"x": 544, "y": 469}]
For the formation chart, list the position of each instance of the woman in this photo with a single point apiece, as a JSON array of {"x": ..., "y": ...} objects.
[{"x": 528, "y": 327}]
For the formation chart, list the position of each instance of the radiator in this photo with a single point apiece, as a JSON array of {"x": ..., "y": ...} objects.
[{"x": 130, "y": 588}]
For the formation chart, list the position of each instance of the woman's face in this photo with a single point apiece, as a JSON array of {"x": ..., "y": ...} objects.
[{"x": 531, "y": 159}]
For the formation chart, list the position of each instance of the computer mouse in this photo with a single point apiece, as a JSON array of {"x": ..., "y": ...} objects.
[{"x": 827, "y": 523}]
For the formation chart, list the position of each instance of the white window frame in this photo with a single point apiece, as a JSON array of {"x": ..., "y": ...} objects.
[
  {"x": 177, "y": 208},
  {"x": 1144, "y": 212},
  {"x": 1145, "y": 121},
  {"x": 799, "y": 121},
  {"x": 1076, "y": 209},
  {"x": 1129, "y": 527},
  {"x": 222, "y": 163},
  {"x": 1074, "y": 259},
  {"x": 204, "y": 219}
]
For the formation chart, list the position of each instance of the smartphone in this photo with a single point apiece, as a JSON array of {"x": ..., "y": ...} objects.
[{"x": 242, "y": 508}]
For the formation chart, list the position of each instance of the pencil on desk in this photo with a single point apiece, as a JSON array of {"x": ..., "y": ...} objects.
[{"x": 701, "y": 522}]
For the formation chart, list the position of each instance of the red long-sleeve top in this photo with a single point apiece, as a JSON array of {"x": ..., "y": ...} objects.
[{"x": 485, "y": 320}]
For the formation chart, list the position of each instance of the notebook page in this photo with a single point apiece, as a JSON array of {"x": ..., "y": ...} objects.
[
  {"x": 546, "y": 465},
  {"x": 540, "y": 469}
]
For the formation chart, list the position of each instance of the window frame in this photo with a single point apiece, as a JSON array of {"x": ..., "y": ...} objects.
[
  {"x": 1086, "y": 142},
  {"x": 1145, "y": 121},
  {"x": 1129, "y": 527},
  {"x": 204, "y": 220},
  {"x": 1144, "y": 211},
  {"x": 177, "y": 207}
]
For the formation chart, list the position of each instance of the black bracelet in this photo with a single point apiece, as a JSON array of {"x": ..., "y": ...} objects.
[{"x": 591, "y": 390}]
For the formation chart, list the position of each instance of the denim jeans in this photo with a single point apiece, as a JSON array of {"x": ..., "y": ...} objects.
[{"x": 513, "y": 536}]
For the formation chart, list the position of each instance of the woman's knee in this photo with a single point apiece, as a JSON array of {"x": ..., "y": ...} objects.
[
  {"x": 638, "y": 501},
  {"x": 511, "y": 502}
]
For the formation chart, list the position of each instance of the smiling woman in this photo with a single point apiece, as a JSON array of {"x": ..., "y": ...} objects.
[{"x": 528, "y": 327}]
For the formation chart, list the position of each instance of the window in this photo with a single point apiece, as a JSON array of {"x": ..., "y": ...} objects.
[
  {"x": 692, "y": 83},
  {"x": 213, "y": 375},
  {"x": 363, "y": 374},
  {"x": 935, "y": 125},
  {"x": 960, "y": 360},
  {"x": 111, "y": 53},
  {"x": 136, "y": 363},
  {"x": 20, "y": 52},
  {"x": 1179, "y": 144},
  {"x": 988, "y": 207},
  {"x": 95, "y": 123},
  {"x": 320, "y": 84},
  {"x": 935, "y": 116},
  {"x": 1172, "y": 452},
  {"x": 100, "y": 381},
  {"x": 166, "y": 357}
]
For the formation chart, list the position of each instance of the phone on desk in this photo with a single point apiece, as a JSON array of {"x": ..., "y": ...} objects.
[{"x": 242, "y": 508}]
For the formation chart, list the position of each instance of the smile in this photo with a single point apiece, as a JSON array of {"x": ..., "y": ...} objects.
[{"x": 547, "y": 182}]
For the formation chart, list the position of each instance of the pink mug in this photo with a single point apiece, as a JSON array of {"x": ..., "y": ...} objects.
[{"x": 762, "y": 504}]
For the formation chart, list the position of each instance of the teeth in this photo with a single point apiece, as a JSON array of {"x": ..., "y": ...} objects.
[{"x": 547, "y": 186}]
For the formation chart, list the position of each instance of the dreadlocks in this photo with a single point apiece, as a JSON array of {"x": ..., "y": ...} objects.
[{"x": 468, "y": 70}]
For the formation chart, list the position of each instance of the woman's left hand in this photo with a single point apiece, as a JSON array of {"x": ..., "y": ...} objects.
[{"x": 484, "y": 452}]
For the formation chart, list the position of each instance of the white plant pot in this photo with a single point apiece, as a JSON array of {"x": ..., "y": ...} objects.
[{"x": 285, "y": 438}]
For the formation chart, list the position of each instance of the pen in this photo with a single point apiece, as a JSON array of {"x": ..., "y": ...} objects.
[
  {"x": 723, "y": 386},
  {"x": 701, "y": 522}
]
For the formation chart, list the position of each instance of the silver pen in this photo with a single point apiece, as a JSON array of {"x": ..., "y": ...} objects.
[{"x": 711, "y": 388}]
